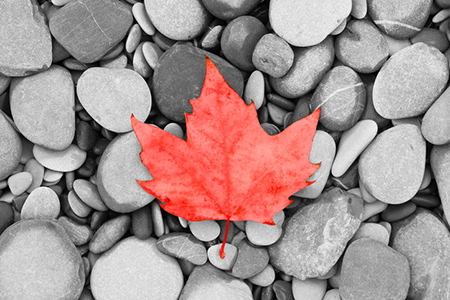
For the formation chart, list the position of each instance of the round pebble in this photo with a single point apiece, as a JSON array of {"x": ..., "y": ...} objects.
[
  {"x": 79, "y": 234},
  {"x": 225, "y": 263},
  {"x": 311, "y": 289},
  {"x": 66, "y": 160},
  {"x": 265, "y": 278},
  {"x": 433, "y": 37},
  {"x": 263, "y": 235},
  {"x": 109, "y": 234},
  {"x": 10, "y": 148},
  {"x": 142, "y": 18},
  {"x": 42, "y": 203},
  {"x": 77, "y": 205},
  {"x": 205, "y": 231},
  {"x": 373, "y": 231},
  {"x": 226, "y": 10},
  {"x": 19, "y": 183}
]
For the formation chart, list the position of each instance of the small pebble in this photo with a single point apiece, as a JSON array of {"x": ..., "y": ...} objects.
[
  {"x": 19, "y": 183},
  {"x": 435, "y": 123},
  {"x": 433, "y": 37},
  {"x": 77, "y": 205},
  {"x": 265, "y": 278},
  {"x": 66, "y": 160},
  {"x": 157, "y": 218},
  {"x": 309, "y": 289},
  {"x": 41, "y": 203},
  {"x": 142, "y": 18},
  {"x": 141, "y": 222},
  {"x": 254, "y": 90},
  {"x": 223, "y": 9},
  {"x": 109, "y": 234},
  {"x": 205, "y": 231},
  {"x": 372, "y": 231},
  {"x": 263, "y": 235},
  {"x": 250, "y": 260},
  {"x": 37, "y": 171},
  {"x": 184, "y": 246},
  {"x": 397, "y": 212},
  {"x": 79, "y": 234}
]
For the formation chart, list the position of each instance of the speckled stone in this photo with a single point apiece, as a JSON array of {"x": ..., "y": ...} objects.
[
  {"x": 436, "y": 123},
  {"x": 10, "y": 148},
  {"x": 392, "y": 166}
]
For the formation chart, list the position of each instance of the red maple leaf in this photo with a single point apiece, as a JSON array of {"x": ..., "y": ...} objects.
[{"x": 229, "y": 167}]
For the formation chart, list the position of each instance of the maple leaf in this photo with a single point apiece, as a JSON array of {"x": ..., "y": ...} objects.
[{"x": 229, "y": 167}]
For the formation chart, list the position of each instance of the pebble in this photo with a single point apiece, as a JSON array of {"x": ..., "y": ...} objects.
[
  {"x": 52, "y": 176},
  {"x": 77, "y": 205},
  {"x": 41, "y": 203},
  {"x": 136, "y": 269},
  {"x": 308, "y": 68},
  {"x": 342, "y": 98},
  {"x": 372, "y": 209},
  {"x": 359, "y": 9},
  {"x": 79, "y": 234},
  {"x": 362, "y": 47},
  {"x": 228, "y": 261},
  {"x": 265, "y": 278},
  {"x": 332, "y": 294},
  {"x": 440, "y": 165},
  {"x": 34, "y": 100},
  {"x": 86, "y": 136},
  {"x": 111, "y": 96},
  {"x": 227, "y": 10},
  {"x": 316, "y": 235},
  {"x": 396, "y": 45},
  {"x": 105, "y": 24},
  {"x": 281, "y": 102},
  {"x": 239, "y": 39},
  {"x": 352, "y": 143},
  {"x": 385, "y": 274},
  {"x": 309, "y": 289},
  {"x": 307, "y": 23},
  {"x": 26, "y": 44},
  {"x": 276, "y": 114},
  {"x": 393, "y": 165},
  {"x": 205, "y": 231},
  {"x": 397, "y": 212},
  {"x": 218, "y": 285},
  {"x": 19, "y": 183},
  {"x": 178, "y": 20},
  {"x": 283, "y": 290},
  {"x": 183, "y": 245},
  {"x": 250, "y": 260},
  {"x": 435, "y": 123},
  {"x": 410, "y": 81},
  {"x": 36, "y": 254},
  {"x": 372, "y": 231},
  {"x": 399, "y": 20},
  {"x": 140, "y": 64},
  {"x": 433, "y": 37},
  {"x": 322, "y": 151},
  {"x": 179, "y": 77},
  {"x": 109, "y": 234},
  {"x": 67, "y": 160},
  {"x": 4, "y": 83},
  {"x": 37, "y": 171},
  {"x": 141, "y": 223},
  {"x": 273, "y": 55},
  {"x": 151, "y": 53},
  {"x": 119, "y": 62},
  {"x": 426, "y": 200},
  {"x": 142, "y": 18},
  {"x": 260, "y": 234},
  {"x": 10, "y": 148},
  {"x": 6, "y": 216},
  {"x": 116, "y": 183},
  {"x": 133, "y": 38},
  {"x": 157, "y": 218},
  {"x": 211, "y": 38},
  {"x": 175, "y": 129},
  {"x": 254, "y": 90},
  {"x": 88, "y": 193}
]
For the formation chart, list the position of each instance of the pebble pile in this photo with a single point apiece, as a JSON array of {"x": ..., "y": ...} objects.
[{"x": 74, "y": 223}]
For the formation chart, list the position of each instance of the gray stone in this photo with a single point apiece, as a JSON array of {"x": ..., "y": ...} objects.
[
  {"x": 183, "y": 245},
  {"x": 250, "y": 260},
  {"x": 440, "y": 165},
  {"x": 410, "y": 81},
  {"x": 217, "y": 285},
  {"x": 316, "y": 235},
  {"x": 436, "y": 123},
  {"x": 392, "y": 166},
  {"x": 372, "y": 270},
  {"x": 26, "y": 42},
  {"x": 425, "y": 241},
  {"x": 10, "y": 148}
]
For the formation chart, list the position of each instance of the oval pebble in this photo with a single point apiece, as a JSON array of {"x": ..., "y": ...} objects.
[
  {"x": 396, "y": 45},
  {"x": 372, "y": 231},
  {"x": 10, "y": 148},
  {"x": 262, "y": 234},
  {"x": 37, "y": 171},
  {"x": 140, "y": 64},
  {"x": 19, "y": 182},
  {"x": 205, "y": 231},
  {"x": 66, "y": 160},
  {"x": 41, "y": 203},
  {"x": 359, "y": 9},
  {"x": 226, "y": 10},
  {"x": 435, "y": 123},
  {"x": 88, "y": 193},
  {"x": 79, "y": 234},
  {"x": 52, "y": 176},
  {"x": 133, "y": 38},
  {"x": 265, "y": 278},
  {"x": 372, "y": 209},
  {"x": 109, "y": 234},
  {"x": 77, "y": 205},
  {"x": 174, "y": 129},
  {"x": 157, "y": 218},
  {"x": 136, "y": 269},
  {"x": 254, "y": 90},
  {"x": 141, "y": 223},
  {"x": 397, "y": 212},
  {"x": 142, "y": 18},
  {"x": 225, "y": 263},
  {"x": 250, "y": 260},
  {"x": 311, "y": 289},
  {"x": 184, "y": 246},
  {"x": 433, "y": 37},
  {"x": 151, "y": 53}
]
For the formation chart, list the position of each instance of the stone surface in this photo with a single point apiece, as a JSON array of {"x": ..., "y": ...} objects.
[
  {"x": 341, "y": 95},
  {"x": 440, "y": 165},
  {"x": 433, "y": 37},
  {"x": 307, "y": 22},
  {"x": 226, "y": 10},
  {"x": 136, "y": 269},
  {"x": 250, "y": 260},
  {"x": 316, "y": 235},
  {"x": 311, "y": 289},
  {"x": 26, "y": 44},
  {"x": 254, "y": 89},
  {"x": 262, "y": 234},
  {"x": 265, "y": 278},
  {"x": 207, "y": 280},
  {"x": 10, "y": 148},
  {"x": 109, "y": 233},
  {"x": 42, "y": 106},
  {"x": 183, "y": 245},
  {"x": 205, "y": 231},
  {"x": 88, "y": 193},
  {"x": 392, "y": 166},
  {"x": 435, "y": 122},
  {"x": 362, "y": 47},
  {"x": 67, "y": 160},
  {"x": 372, "y": 270},
  {"x": 373, "y": 231},
  {"x": 105, "y": 24},
  {"x": 399, "y": 20},
  {"x": 179, "y": 77},
  {"x": 111, "y": 96},
  {"x": 41, "y": 203},
  {"x": 178, "y": 20},
  {"x": 410, "y": 81},
  {"x": 118, "y": 170},
  {"x": 425, "y": 241},
  {"x": 35, "y": 254},
  {"x": 79, "y": 234},
  {"x": 309, "y": 66},
  {"x": 397, "y": 212}
]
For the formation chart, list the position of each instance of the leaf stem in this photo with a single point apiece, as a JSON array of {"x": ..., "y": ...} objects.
[{"x": 222, "y": 254}]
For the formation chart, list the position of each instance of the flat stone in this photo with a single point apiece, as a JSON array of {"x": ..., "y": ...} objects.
[
  {"x": 67, "y": 160},
  {"x": 42, "y": 106},
  {"x": 425, "y": 241},
  {"x": 262, "y": 234},
  {"x": 373, "y": 231},
  {"x": 250, "y": 260},
  {"x": 178, "y": 20},
  {"x": 111, "y": 96},
  {"x": 362, "y": 47},
  {"x": 316, "y": 235},
  {"x": 105, "y": 24},
  {"x": 41, "y": 203},
  {"x": 435, "y": 122},
  {"x": 440, "y": 165},
  {"x": 385, "y": 274},
  {"x": 36, "y": 254},
  {"x": 397, "y": 212},
  {"x": 400, "y": 20},
  {"x": 89, "y": 194},
  {"x": 306, "y": 22},
  {"x": 342, "y": 97},
  {"x": 109, "y": 234},
  {"x": 311, "y": 289},
  {"x": 207, "y": 280},
  {"x": 79, "y": 234},
  {"x": 10, "y": 148},
  {"x": 206, "y": 230},
  {"x": 265, "y": 278},
  {"x": 433, "y": 37},
  {"x": 77, "y": 205},
  {"x": 118, "y": 170},
  {"x": 179, "y": 77},
  {"x": 392, "y": 166},
  {"x": 26, "y": 44},
  {"x": 228, "y": 261},
  {"x": 19, "y": 182},
  {"x": 136, "y": 269},
  {"x": 226, "y": 10},
  {"x": 141, "y": 223},
  {"x": 183, "y": 245},
  {"x": 410, "y": 81},
  {"x": 308, "y": 68},
  {"x": 37, "y": 171}
]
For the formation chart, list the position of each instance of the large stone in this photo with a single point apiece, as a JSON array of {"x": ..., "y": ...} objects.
[
  {"x": 436, "y": 123},
  {"x": 440, "y": 165},
  {"x": 392, "y": 166},
  {"x": 104, "y": 23},
  {"x": 179, "y": 77},
  {"x": 38, "y": 261},
  {"x": 425, "y": 241},
  {"x": 42, "y": 106},
  {"x": 217, "y": 285},
  {"x": 316, "y": 235},
  {"x": 304, "y": 23},
  {"x": 10, "y": 148},
  {"x": 26, "y": 43},
  {"x": 410, "y": 81}
]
